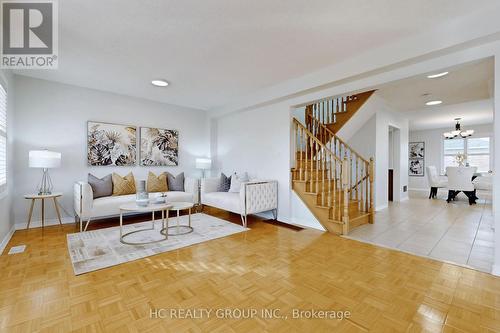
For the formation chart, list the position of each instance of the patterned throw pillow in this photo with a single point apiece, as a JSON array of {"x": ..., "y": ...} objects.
[
  {"x": 176, "y": 183},
  {"x": 123, "y": 185},
  {"x": 157, "y": 183},
  {"x": 101, "y": 187},
  {"x": 224, "y": 184}
]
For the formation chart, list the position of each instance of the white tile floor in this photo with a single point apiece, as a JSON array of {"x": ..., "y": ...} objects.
[{"x": 454, "y": 232}]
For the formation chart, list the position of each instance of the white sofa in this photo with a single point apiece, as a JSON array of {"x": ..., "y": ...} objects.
[
  {"x": 254, "y": 197},
  {"x": 87, "y": 208}
]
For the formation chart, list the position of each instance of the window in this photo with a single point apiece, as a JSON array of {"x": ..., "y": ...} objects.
[
  {"x": 477, "y": 150},
  {"x": 3, "y": 139}
]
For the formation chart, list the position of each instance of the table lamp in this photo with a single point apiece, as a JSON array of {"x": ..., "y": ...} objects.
[
  {"x": 44, "y": 159},
  {"x": 203, "y": 164}
]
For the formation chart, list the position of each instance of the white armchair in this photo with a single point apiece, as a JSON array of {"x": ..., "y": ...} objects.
[
  {"x": 435, "y": 180},
  {"x": 460, "y": 180},
  {"x": 254, "y": 197}
]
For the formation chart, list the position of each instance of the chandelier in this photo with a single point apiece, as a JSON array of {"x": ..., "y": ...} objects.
[{"x": 458, "y": 131}]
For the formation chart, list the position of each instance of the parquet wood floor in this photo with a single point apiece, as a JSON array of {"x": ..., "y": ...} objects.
[{"x": 269, "y": 267}]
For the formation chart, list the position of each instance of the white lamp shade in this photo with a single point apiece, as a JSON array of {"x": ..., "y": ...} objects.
[
  {"x": 44, "y": 159},
  {"x": 203, "y": 163}
]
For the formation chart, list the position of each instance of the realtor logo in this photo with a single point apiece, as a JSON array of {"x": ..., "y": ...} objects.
[{"x": 29, "y": 34}]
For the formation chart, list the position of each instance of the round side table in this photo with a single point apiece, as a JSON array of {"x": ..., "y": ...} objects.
[
  {"x": 43, "y": 197},
  {"x": 178, "y": 206}
]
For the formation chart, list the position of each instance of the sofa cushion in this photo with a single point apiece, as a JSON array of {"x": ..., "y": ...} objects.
[
  {"x": 178, "y": 196},
  {"x": 224, "y": 200},
  {"x": 123, "y": 185},
  {"x": 224, "y": 183},
  {"x": 101, "y": 187},
  {"x": 236, "y": 181},
  {"x": 176, "y": 183},
  {"x": 157, "y": 183}
]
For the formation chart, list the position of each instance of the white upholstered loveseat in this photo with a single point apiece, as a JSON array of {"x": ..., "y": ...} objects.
[
  {"x": 254, "y": 197},
  {"x": 87, "y": 208}
]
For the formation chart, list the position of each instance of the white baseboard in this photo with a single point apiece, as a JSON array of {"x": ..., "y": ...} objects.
[
  {"x": 48, "y": 222},
  {"x": 381, "y": 207},
  {"x": 300, "y": 223},
  {"x": 7, "y": 238},
  {"x": 420, "y": 189},
  {"x": 495, "y": 270}
]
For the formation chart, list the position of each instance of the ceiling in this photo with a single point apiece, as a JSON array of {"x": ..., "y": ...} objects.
[
  {"x": 464, "y": 83},
  {"x": 465, "y": 92},
  {"x": 215, "y": 51}
]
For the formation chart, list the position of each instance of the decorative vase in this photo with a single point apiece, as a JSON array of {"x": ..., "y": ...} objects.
[{"x": 142, "y": 196}]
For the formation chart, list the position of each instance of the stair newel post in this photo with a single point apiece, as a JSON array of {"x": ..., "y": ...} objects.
[
  {"x": 311, "y": 155},
  {"x": 345, "y": 186},
  {"x": 372, "y": 178},
  {"x": 304, "y": 158},
  {"x": 367, "y": 166},
  {"x": 357, "y": 185},
  {"x": 329, "y": 179},
  {"x": 351, "y": 192},
  {"x": 316, "y": 155},
  {"x": 362, "y": 201},
  {"x": 323, "y": 171}
]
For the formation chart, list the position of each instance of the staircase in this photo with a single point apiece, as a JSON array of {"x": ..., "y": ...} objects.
[{"x": 333, "y": 180}]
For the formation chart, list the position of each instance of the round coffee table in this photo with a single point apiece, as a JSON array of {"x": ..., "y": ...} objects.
[
  {"x": 133, "y": 207},
  {"x": 179, "y": 229}
]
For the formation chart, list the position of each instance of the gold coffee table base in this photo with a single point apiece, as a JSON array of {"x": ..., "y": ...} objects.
[
  {"x": 163, "y": 222},
  {"x": 178, "y": 206}
]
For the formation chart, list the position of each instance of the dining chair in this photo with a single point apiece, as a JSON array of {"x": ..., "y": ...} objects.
[
  {"x": 435, "y": 180},
  {"x": 460, "y": 180}
]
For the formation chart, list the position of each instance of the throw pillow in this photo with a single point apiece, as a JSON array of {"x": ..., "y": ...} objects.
[
  {"x": 123, "y": 185},
  {"x": 224, "y": 183},
  {"x": 157, "y": 183},
  {"x": 101, "y": 187},
  {"x": 176, "y": 183},
  {"x": 236, "y": 181}
]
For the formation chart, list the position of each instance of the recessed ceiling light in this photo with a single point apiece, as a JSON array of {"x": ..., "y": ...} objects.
[
  {"x": 433, "y": 76},
  {"x": 159, "y": 83},
  {"x": 433, "y": 103}
]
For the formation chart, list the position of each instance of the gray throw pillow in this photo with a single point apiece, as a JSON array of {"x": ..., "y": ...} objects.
[
  {"x": 175, "y": 183},
  {"x": 224, "y": 184},
  {"x": 101, "y": 187}
]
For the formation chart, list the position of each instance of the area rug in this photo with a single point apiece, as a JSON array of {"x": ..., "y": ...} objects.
[{"x": 97, "y": 249}]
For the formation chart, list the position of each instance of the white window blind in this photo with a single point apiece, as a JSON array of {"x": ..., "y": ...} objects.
[{"x": 3, "y": 139}]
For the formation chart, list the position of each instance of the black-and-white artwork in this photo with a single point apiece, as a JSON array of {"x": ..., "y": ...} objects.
[
  {"x": 416, "y": 167},
  {"x": 159, "y": 147},
  {"x": 416, "y": 150},
  {"x": 416, "y": 159},
  {"x": 111, "y": 144}
]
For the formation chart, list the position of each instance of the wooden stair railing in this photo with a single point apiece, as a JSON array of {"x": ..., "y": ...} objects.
[
  {"x": 335, "y": 112},
  {"x": 337, "y": 180},
  {"x": 361, "y": 170}
]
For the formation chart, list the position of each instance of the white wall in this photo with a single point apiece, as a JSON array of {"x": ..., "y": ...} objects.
[
  {"x": 433, "y": 140},
  {"x": 54, "y": 116},
  {"x": 372, "y": 140},
  {"x": 386, "y": 118},
  {"x": 6, "y": 212}
]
